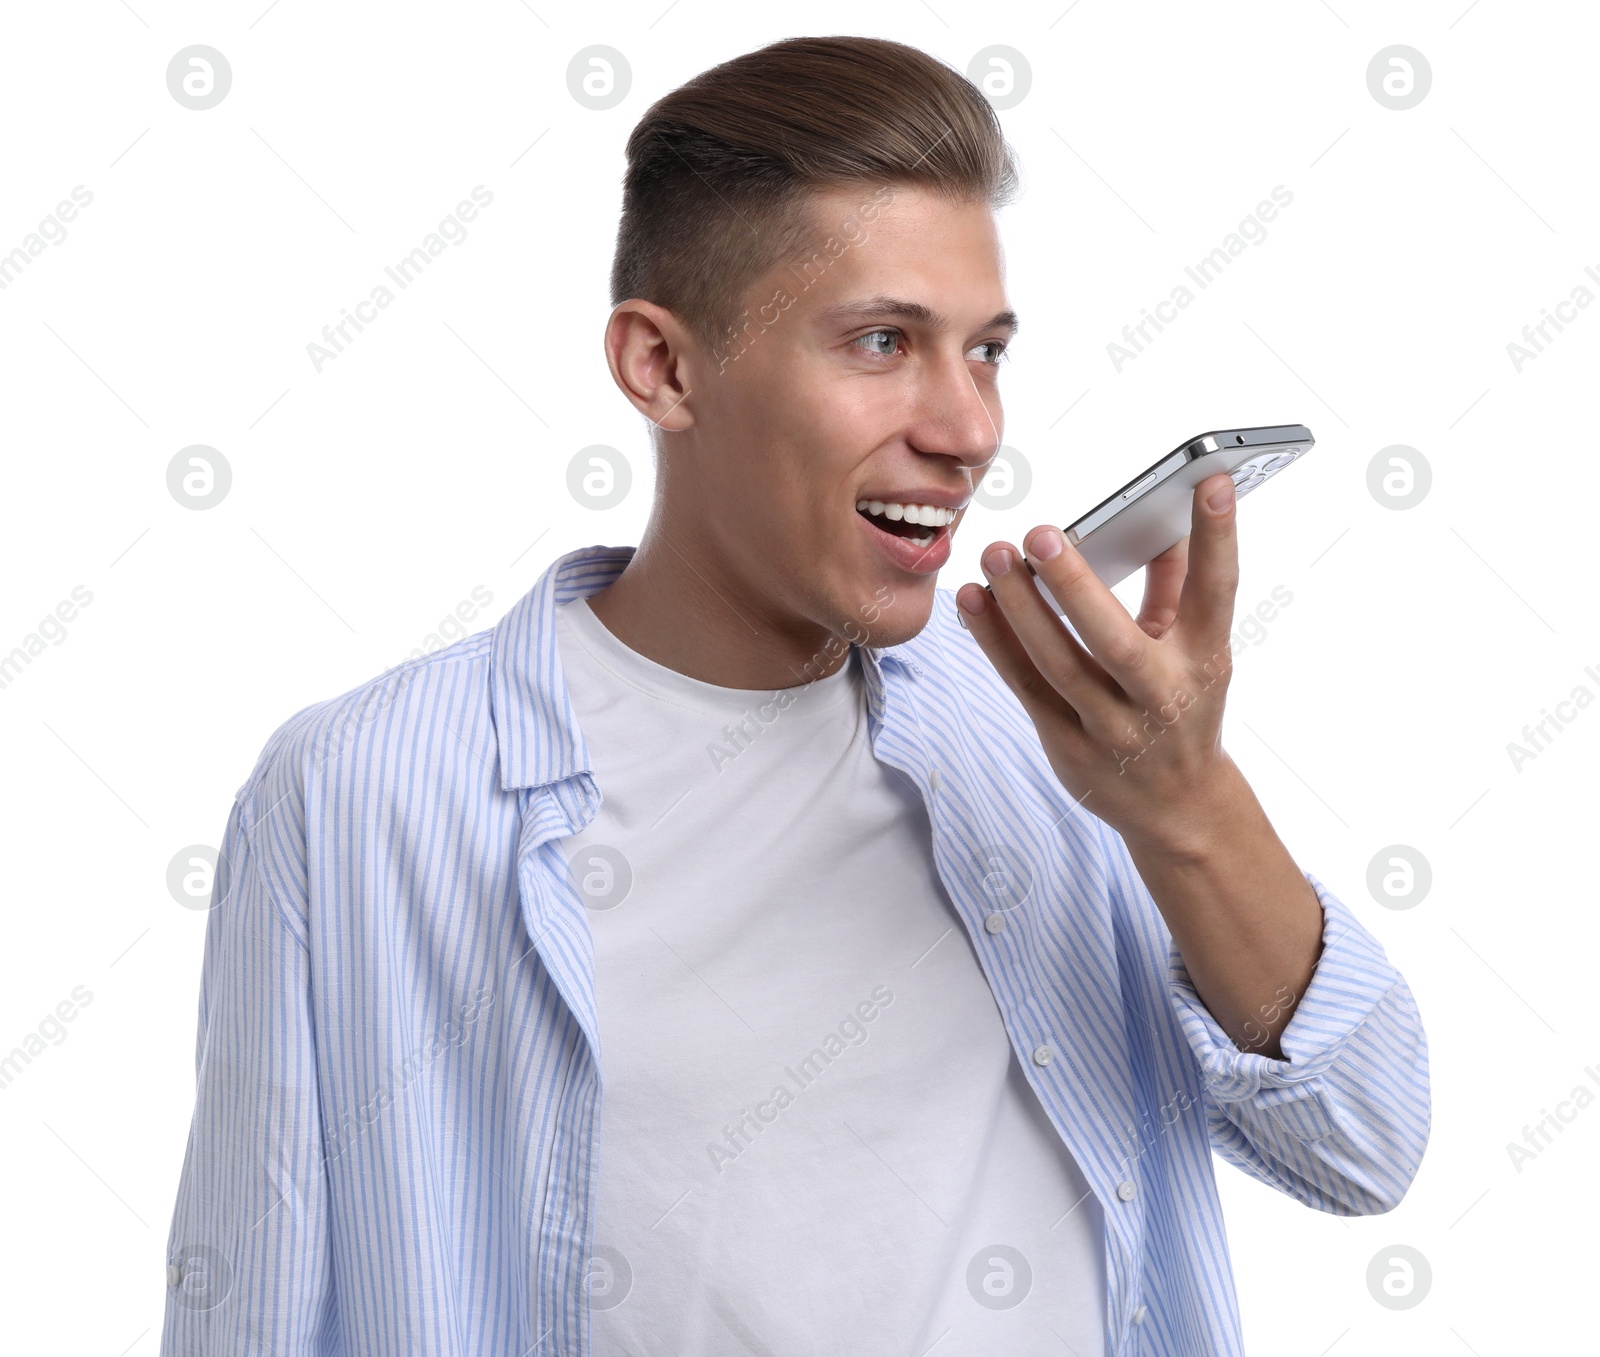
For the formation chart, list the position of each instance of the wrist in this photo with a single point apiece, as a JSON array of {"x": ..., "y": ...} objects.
[{"x": 1217, "y": 809}]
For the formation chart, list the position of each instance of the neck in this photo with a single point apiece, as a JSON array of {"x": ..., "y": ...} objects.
[{"x": 676, "y": 604}]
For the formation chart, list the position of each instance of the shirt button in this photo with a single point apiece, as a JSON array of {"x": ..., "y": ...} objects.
[
  {"x": 933, "y": 779},
  {"x": 1139, "y": 1314},
  {"x": 1043, "y": 1055},
  {"x": 995, "y": 922},
  {"x": 1126, "y": 1189},
  {"x": 174, "y": 1274}
]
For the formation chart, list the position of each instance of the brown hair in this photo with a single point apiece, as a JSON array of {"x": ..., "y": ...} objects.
[{"x": 718, "y": 169}]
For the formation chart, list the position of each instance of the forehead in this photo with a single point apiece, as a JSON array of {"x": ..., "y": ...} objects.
[
  {"x": 940, "y": 256},
  {"x": 897, "y": 216}
]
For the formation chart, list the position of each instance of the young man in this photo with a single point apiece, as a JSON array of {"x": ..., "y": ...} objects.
[{"x": 732, "y": 950}]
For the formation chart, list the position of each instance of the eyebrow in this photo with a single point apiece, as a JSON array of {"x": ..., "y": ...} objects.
[{"x": 871, "y": 308}]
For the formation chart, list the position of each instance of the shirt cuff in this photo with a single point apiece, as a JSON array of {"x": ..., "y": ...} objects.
[{"x": 1352, "y": 975}]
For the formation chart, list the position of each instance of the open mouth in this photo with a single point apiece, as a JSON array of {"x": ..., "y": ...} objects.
[{"x": 919, "y": 524}]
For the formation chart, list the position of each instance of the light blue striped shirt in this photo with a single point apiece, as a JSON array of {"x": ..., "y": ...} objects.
[{"x": 397, "y": 1112}]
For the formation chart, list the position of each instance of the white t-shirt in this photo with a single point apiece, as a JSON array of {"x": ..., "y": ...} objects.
[{"x": 815, "y": 1135}]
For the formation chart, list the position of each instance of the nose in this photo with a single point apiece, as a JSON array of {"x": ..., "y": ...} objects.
[{"x": 952, "y": 416}]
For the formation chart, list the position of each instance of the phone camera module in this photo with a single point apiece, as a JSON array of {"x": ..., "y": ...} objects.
[{"x": 1247, "y": 477}]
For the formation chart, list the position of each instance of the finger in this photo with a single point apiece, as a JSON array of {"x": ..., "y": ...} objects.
[
  {"x": 1163, "y": 582},
  {"x": 1113, "y": 638},
  {"x": 1205, "y": 606},
  {"x": 1065, "y": 661},
  {"x": 998, "y": 641}
]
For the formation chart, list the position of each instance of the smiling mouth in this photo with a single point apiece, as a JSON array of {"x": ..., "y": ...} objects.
[{"x": 921, "y": 528}]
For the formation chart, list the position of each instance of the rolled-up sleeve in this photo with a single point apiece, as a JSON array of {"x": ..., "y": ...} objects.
[
  {"x": 248, "y": 1263},
  {"x": 1341, "y": 1121}
]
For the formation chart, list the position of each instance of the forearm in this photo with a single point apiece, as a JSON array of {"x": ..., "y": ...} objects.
[{"x": 1243, "y": 916}]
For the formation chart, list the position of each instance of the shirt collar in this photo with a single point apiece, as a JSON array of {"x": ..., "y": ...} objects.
[{"x": 536, "y": 729}]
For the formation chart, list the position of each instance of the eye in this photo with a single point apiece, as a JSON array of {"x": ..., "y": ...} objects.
[
  {"x": 874, "y": 334},
  {"x": 865, "y": 342}
]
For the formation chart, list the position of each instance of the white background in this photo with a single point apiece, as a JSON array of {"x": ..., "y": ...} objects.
[{"x": 430, "y": 459}]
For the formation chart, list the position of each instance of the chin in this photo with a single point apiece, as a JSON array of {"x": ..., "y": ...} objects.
[{"x": 892, "y": 615}]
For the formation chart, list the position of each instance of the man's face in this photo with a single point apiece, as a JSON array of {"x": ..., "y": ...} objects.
[{"x": 867, "y": 372}]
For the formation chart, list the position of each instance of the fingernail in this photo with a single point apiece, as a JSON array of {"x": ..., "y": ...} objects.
[
  {"x": 961, "y": 607},
  {"x": 1047, "y": 544},
  {"x": 1219, "y": 502},
  {"x": 998, "y": 561}
]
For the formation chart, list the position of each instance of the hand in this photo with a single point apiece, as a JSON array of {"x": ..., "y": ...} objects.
[{"x": 1131, "y": 726}]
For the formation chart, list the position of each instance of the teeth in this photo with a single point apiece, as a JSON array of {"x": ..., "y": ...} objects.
[{"x": 928, "y": 515}]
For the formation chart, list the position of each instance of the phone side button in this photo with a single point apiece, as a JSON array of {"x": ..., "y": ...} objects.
[{"x": 1139, "y": 489}]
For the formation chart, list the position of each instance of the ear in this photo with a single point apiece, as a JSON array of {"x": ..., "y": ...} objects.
[{"x": 646, "y": 350}]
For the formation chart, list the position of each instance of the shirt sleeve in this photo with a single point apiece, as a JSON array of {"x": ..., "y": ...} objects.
[
  {"x": 1341, "y": 1121},
  {"x": 248, "y": 1262}
]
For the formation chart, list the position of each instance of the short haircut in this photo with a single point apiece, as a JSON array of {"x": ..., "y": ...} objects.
[{"x": 720, "y": 169}]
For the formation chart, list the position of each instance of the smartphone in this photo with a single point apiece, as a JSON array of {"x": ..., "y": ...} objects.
[{"x": 1153, "y": 511}]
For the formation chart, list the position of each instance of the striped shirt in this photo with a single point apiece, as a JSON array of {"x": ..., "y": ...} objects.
[{"x": 395, "y": 1139}]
